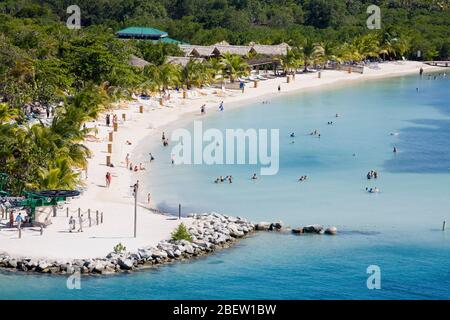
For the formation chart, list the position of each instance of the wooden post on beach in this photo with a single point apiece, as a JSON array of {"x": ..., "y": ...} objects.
[
  {"x": 96, "y": 217},
  {"x": 101, "y": 217},
  {"x": 141, "y": 109},
  {"x": 54, "y": 211},
  {"x": 319, "y": 75},
  {"x": 444, "y": 225},
  {"x": 255, "y": 84},
  {"x": 79, "y": 212},
  {"x": 288, "y": 78},
  {"x": 109, "y": 147},
  {"x": 108, "y": 161},
  {"x": 67, "y": 212},
  {"x": 124, "y": 117},
  {"x": 179, "y": 211},
  {"x": 115, "y": 126},
  {"x": 349, "y": 69},
  {"x": 135, "y": 191},
  {"x": 89, "y": 217},
  {"x": 184, "y": 94},
  {"x": 20, "y": 232},
  {"x": 161, "y": 102},
  {"x": 110, "y": 137}
]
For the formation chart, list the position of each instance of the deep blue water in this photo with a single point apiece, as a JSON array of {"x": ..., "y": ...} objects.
[{"x": 397, "y": 230}]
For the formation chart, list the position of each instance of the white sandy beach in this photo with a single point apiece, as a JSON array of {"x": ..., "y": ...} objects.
[{"x": 116, "y": 202}]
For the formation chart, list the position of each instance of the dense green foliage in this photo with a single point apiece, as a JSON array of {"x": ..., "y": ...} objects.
[
  {"x": 181, "y": 233},
  {"x": 43, "y": 63},
  {"x": 425, "y": 22}
]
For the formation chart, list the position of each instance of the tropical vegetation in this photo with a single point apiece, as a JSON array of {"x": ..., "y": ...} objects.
[{"x": 80, "y": 73}]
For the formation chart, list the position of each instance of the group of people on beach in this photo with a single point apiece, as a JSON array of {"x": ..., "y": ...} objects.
[
  {"x": 73, "y": 224},
  {"x": 302, "y": 178},
  {"x": 108, "y": 119},
  {"x": 165, "y": 141},
  {"x": 135, "y": 168}
]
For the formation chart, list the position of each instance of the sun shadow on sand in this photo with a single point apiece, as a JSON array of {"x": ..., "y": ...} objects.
[
  {"x": 173, "y": 209},
  {"x": 111, "y": 237}
]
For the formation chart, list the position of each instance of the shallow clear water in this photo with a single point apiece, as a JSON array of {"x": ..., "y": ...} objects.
[{"x": 398, "y": 229}]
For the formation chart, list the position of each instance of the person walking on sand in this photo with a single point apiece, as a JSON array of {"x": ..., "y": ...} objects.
[
  {"x": 221, "y": 106},
  {"x": 19, "y": 220},
  {"x": 202, "y": 109},
  {"x": 127, "y": 160},
  {"x": 279, "y": 88},
  {"x": 108, "y": 179},
  {"x": 149, "y": 198},
  {"x": 80, "y": 222},
  {"x": 163, "y": 136},
  {"x": 151, "y": 157},
  {"x": 72, "y": 224},
  {"x": 108, "y": 120}
]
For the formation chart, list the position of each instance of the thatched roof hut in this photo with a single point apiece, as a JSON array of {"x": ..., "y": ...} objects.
[
  {"x": 238, "y": 50},
  {"x": 182, "y": 61},
  {"x": 137, "y": 62}
]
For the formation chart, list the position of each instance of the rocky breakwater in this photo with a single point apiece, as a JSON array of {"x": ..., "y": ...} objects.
[
  {"x": 209, "y": 232},
  {"x": 280, "y": 227}
]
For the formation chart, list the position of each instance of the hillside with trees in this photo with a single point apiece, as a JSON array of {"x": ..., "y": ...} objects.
[{"x": 79, "y": 73}]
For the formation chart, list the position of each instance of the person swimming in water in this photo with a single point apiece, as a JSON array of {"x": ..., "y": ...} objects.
[
  {"x": 292, "y": 135},
  {"x": 395, "y": 150},
  {"x": 254, "y": 177}
]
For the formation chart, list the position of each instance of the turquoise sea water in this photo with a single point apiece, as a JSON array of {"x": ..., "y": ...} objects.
[{"x": 397, "y": 230}]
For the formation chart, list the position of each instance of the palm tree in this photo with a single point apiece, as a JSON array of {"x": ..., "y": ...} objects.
[
  {"x": 368, "y": 46},
  {"x": 59, "y": 176},
  {"x": 169, "y": 75},
  {"x": 311, "y": 53},
  {"x": 152, "y": 78},
  {"x": 234, "y": 66},
  {"x": 7, "y": 113},
  {"x": 386, "y": 43},
  {"x": 291, "y": 61},
  {"x": 195, "y": 73},
  {"x": 330, "y": 51},
  {"x": 215, "y": 68},
  {"x": 348, "y": 52},
  {"x": 401, "y": 46}
]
